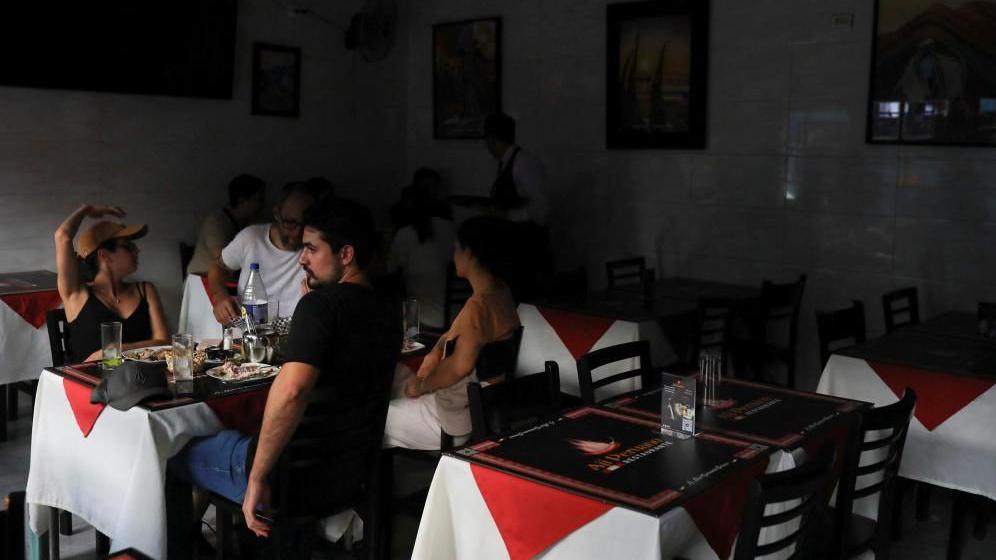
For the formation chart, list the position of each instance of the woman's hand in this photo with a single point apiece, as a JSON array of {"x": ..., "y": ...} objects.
[{"x": 413, "y": 387}]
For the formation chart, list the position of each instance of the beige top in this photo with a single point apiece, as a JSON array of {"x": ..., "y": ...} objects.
[
  {"x": 216, "y": 232},
  {"x": 486, "y": 318}
]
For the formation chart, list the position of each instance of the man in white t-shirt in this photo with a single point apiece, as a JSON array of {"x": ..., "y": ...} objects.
[{"x": 276, "y": 247}]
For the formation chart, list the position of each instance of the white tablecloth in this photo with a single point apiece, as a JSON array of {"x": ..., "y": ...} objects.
[
  {"x": 959, "y": 453},
  {"x": 113, "y": 478},
  {"x": 196, "y": 311},
  {"x": 456, "y": 524},
  {"x": 541, "y": 342},
  {"x": 24, "y": 348}
]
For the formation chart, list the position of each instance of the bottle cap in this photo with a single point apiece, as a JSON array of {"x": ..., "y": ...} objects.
[{"x": 253, "y": 266}]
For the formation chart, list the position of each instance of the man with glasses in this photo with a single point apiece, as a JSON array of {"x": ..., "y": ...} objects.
[{"x": 275, "y": 246}]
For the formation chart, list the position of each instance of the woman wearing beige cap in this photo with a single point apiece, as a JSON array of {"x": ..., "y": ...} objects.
[{"x": 109, "y": 252}]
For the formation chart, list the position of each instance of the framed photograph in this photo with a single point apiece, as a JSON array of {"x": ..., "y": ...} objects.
[
  {"x": 276, "y": 80},
  {"x": 933, "y": 80},
  {"x": 466, "y": 76},
  {"x": 656, "y": 74}
]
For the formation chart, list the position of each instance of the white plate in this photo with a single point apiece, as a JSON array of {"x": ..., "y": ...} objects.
[
  {"x": 415, "y": 347},
  {"x": 265, "y": 372},
  {"x": 131, "y": 354}
]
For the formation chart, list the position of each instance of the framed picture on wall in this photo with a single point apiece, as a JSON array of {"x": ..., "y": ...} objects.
[
  {"x": 276, "y": 80},
  {"x": 466, "y": 76},
  {"x": 656, "y": 74},
  {"x": 933, "y": 80}
]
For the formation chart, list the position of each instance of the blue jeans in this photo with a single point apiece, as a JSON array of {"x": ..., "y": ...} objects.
[{"x": 216, "y": 463}]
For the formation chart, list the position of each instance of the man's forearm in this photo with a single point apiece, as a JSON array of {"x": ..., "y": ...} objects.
[{"x": 283, "y": 412}]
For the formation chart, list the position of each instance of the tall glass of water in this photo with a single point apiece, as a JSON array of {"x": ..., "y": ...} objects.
[
  {"x": 410, "y": 321},
  {"x": 183, "y": 357},
  {"x": 110, "y": 345}
]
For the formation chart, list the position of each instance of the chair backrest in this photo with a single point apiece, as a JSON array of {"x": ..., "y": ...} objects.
[
  {"x": 59, "y": 341},
  {"x": 713, "y": 320},
  {"x": 335, "y": 442},
  {"x": 803, "y": 493},
  {"x": 872, "y": 466},
  {"x": 391, "y": 285},
  {"x": 186, "y": 254},
  {"x": 900, "y": 308},
  {"x": 780, "y": 305},
  {"x": 626, "y": 271},
  {"x": 499, "y": 407},
  {"x": 595, "y": 359},
  {"x": 839, "y": 329},
  {"x": 458, "y": 291},
  {"x": 499, "y": 357}
]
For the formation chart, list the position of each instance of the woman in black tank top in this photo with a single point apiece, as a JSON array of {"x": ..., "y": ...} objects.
[{"x": 109, "y": 252}]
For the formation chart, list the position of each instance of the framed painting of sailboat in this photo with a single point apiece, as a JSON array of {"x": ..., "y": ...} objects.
[{"x": 656, "y": 74}]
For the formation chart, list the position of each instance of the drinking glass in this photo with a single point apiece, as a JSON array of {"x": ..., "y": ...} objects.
[
  {"x": 410, "y": 320},
  {"x": 255, "y": 347},
  {"x": 710, "y": 374},
  {"x": 183, "y": 357},
  {"x": 110, "y": 345}
]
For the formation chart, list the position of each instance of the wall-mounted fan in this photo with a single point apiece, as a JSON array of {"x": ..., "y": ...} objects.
[{"x": 371, "y": 31}]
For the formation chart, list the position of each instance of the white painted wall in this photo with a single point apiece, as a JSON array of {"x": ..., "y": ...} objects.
[
  {"x": 167, "y": 161},
  {"x": 786, "y": 185}
]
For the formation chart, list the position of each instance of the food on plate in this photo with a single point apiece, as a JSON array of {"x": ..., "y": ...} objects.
[
  {"x": 150, "y": 354},
  {"x": 233, "y": 370}
]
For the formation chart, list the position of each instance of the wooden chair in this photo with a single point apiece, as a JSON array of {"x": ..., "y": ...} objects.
[
  {"x": 186, "y": 255},
  {"x": 499, "y": 357},
  {"x": 12, "y": 526},
  {"x": 626, "y": 271},
  {"x": 839, "y": 329},
  {"x": 806, "y": 489},
  {"x": 340, "y": 445},
  {"x": 777, "y": 309},
  {"x": 854, "y": 534},
  {"x": 595, "y": 359},
  {"x": 499, "y": 407},
  {"x": 900, "y": 308},
  {"x": 703, "y": 329},
  {"x": 458, "y": 291}
]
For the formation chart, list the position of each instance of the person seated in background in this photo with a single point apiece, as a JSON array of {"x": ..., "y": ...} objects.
[
  {"x": 245, "y": 201},
  {"x": 321, "y": 188},
  {"x": 435, "y": 398},
  {"x": 426, "y": 184},
  {"x": 275, "y": 247},
  {"x": 109, "y": 255},
  {"x": 422, "y": 250},
  {"x": 344, "y": 339}
]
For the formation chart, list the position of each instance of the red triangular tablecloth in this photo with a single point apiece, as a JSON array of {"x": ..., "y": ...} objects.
[
  {"x": 532, "y": 517},
  {"x": 32, "y": 307},
  {"x": 578, "y": 332},
  {"x": 242, "y": 412},
  {"x": 86, "y": 413},
  {"x": 717, "y": 512},
  {"x": 939, "y": 395}
]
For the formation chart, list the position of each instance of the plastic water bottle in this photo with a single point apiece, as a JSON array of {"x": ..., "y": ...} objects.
[{"x": 254, "y": 299}]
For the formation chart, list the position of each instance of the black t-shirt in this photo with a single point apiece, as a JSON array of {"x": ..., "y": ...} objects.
[{"x": 353, "y": 336}]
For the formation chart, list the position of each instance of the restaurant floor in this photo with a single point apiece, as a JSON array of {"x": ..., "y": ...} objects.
[{"x": 921, "y": 540}]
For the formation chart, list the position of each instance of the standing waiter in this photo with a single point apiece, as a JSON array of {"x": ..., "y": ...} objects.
[{"x": 517, "y": 195}]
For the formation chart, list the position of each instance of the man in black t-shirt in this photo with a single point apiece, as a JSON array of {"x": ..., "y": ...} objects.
[{"x": 344, "y": 343}]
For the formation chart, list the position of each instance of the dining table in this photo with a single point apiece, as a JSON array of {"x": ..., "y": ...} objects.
[
  {"x": 25, "y": 298},
  {"x": 952, "y": 369},
  {"x": 604, "y": 481},
  {"x": 566, "y": 328}
]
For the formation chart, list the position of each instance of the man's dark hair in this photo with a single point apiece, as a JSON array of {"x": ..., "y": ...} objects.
[
  {"x": 425, "y": 174},
  {"x": 500, "y": 127},
  {"x": 488, "y": 238},
  {"x": 242, "y": 187},
  {"x": 342, "y": 222},
  {"x": 295, "y": 187}
]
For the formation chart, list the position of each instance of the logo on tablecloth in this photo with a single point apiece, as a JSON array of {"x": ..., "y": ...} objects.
[{"x": 594, "y": 447}]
